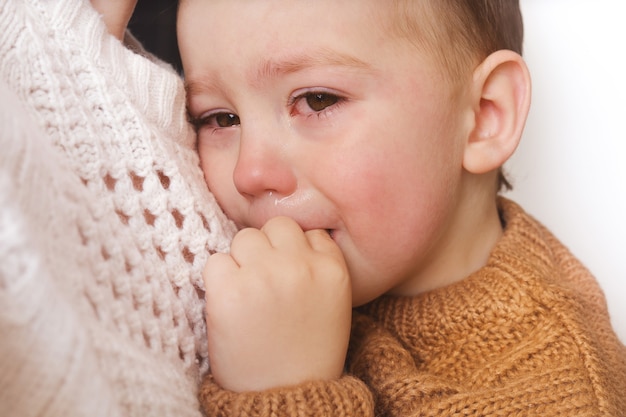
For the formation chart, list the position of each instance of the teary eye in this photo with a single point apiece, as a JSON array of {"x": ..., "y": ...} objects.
[
  {"x": 222, "y": 120},
  {"x": 217, "y": 120},
  {"x": 319, "y": 101},
  {"x": 315, "y": 103}
]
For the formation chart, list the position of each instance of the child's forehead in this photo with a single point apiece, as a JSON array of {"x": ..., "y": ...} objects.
[
  {"x": 376, "y": 10},
  {"x": 382, "y": 19},
  {"x": 272, "y": 40}
]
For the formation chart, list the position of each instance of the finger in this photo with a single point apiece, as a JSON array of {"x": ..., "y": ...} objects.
[
  {"x": 283, "y": 232},
  {"x": 218, "y": 267},
  {"x": 321, "y": 241},
  {"x": 249, "y": 245},
  {"x": 218, "y": 275}
]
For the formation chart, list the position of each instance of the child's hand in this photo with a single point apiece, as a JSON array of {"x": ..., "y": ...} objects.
[{"x": 278, "y": 308}]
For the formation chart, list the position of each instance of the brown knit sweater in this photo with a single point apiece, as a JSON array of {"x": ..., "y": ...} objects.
[{"x": 527, "y": 335}]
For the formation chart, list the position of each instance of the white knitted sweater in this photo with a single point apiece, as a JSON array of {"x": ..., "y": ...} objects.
[{"x": 105, "y": 223}]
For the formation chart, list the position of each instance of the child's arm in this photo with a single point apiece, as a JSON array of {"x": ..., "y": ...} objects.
[{"x": 278, "y": 308}]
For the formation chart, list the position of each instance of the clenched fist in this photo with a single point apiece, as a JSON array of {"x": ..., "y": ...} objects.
[{"x": 278, "y": 308}]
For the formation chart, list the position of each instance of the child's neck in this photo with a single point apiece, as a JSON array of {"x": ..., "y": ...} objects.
[{"x": 465, "y": 246}]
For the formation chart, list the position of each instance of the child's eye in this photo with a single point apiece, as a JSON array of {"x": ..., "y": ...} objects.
[
  {"x": 218, "y": 120},
  {"x": 315, "y": 102},
  {"x": 319, "y": 101},
  {"x": 223, "y": 120}
]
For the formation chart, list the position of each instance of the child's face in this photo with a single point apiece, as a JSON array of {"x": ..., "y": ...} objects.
[{"x": 310, "y": 110}]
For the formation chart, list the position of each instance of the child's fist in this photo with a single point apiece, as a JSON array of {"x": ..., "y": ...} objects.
[{"x": 278, "y": 308}]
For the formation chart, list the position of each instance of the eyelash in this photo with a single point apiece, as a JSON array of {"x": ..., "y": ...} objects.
[
  {"x": 320, "y": 96},
  {"x": 203, "y": 121},
  {"x": 336, "y": 101}
]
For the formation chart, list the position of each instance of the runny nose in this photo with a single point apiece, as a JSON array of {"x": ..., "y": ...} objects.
[{"x": 262, "y": 169}]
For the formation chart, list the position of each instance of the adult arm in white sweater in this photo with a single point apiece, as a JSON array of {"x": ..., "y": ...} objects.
[
  {"x": 47, "y": 363},
  {"x": 105, "y": 223}
]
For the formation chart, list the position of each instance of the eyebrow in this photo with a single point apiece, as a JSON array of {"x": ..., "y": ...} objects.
[{"x": 269, "y": 69}]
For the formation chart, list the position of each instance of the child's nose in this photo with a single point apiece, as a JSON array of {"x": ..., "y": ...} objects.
[{"x": 263, "y": 168}]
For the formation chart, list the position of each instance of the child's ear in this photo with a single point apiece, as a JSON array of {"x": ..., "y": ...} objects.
[{"x": 501, "y": 101}]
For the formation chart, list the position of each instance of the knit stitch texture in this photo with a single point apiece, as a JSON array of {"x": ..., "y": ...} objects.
[
  {"x": 105, "y": 223},
  {"x": 526, "y": 335}
]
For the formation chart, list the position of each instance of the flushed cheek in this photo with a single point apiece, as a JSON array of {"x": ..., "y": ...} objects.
[
  {"x": 392, "y": 218},
  {"x": 388, "y": 253},
  {"x": 386, "y": 225},
  {"x": 218, "y": 174}
]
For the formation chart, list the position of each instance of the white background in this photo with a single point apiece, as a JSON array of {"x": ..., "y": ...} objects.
[{"x": 570, "y": 169}]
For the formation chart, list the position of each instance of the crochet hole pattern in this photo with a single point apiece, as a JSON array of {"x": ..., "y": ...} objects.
[
  {"x": 123, "y": 218},
  {"x": 122, "y": 222},
  {"x": 178, "y": 219},
  {"x": 165, "y": 180},
  {"x": 188, "y": 255},
  {"x": 205, "y": 222},
  {"x": 109, "y": 182},
  {"x": 149, "y": 217},
  {"x": 139, "y": 283},
  {"x": 137, "y": 181}
]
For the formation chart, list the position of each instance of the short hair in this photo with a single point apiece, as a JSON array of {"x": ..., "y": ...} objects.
[{"x": 460, "y": 34}]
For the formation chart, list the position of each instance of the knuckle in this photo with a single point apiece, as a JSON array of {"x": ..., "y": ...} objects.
[{"x": 243, "y": 235}]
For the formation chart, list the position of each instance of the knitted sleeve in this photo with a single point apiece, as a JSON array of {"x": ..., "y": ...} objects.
[
  {"x": 107, "y": 222},
  {"x": 345, "y": 397},
  {"x": 45, "y": 353}
]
